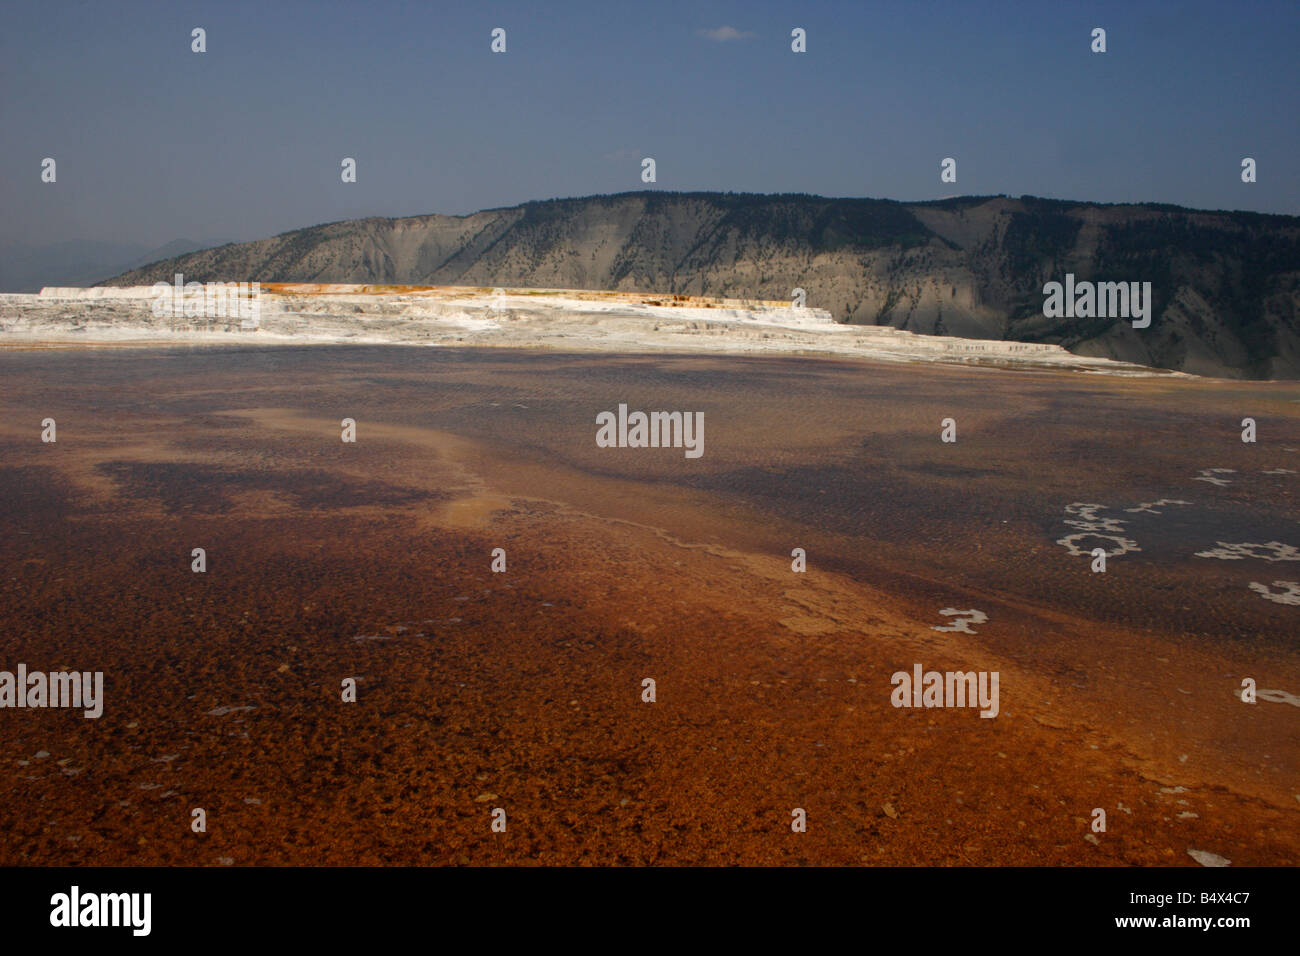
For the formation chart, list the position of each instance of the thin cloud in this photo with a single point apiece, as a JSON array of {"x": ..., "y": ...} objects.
[{"x": 726, "y": 34}]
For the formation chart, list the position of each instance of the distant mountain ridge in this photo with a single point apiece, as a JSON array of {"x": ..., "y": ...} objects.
[
  {"x": 25, "y": 267},
  {"x": 1226, "y": 285}
]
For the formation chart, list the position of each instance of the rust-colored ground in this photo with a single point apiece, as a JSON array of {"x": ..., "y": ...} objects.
[{"x": 522, "y": 690}]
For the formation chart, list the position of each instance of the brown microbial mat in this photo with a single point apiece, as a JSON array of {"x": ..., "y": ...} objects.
[{"x": 522, "y": 691}]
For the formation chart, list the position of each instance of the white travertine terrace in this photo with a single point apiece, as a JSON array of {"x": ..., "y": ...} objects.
[{"x": 555, "y": 319}]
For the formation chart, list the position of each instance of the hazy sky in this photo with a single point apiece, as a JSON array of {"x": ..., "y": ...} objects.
[{"x": 154, "y": 142}]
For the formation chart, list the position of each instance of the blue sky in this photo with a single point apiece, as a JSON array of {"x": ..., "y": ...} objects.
[{"x": 154, "y": 142}]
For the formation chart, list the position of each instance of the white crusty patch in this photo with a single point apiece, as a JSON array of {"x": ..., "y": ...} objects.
[
  {"x": 1122, "y": 545},
  {"x": 1091, "y": 520},
  {"x": 1236, "y": 552},
  {"x": 1207, "y": 474},
  {"x": 1290, "y": 593},
  {"x": 1093, "y": 525},
  {"x": 961, "y": 620},
  {"x": 1278, "y": 697},
  {"x": 1150, "y": 506}
]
